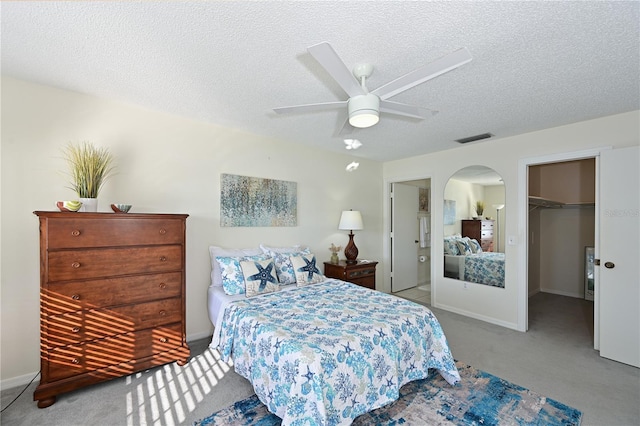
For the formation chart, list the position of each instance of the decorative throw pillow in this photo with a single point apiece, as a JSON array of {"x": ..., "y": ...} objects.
[
  {"x": 306, "y": 270},
  {"x": 464, "y": 247},
  {"x": 451, "y": 246},
  {"x": 475, "y": 246},
  {"x": 215, "y": 251},
  {"x": 232, "y": 277},
  {"x": 259, "y": 277},
  {"x": 281, "y": 257}
]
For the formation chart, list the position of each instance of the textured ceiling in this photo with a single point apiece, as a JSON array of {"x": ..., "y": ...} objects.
[{"x": 535, "y": 64}]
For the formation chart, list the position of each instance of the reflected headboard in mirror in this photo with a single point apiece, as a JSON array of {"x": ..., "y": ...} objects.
[{"x": 474, "y": 203}]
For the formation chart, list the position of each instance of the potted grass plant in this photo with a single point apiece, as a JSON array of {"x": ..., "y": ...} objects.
[
  {"x": 479, "y": 208},
  {"x": 89, "y": 168}
]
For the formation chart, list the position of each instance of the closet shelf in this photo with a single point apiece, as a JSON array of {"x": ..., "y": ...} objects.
[
  {"x": 540, "y": 202},
  {"x": 536, "y": 202}
]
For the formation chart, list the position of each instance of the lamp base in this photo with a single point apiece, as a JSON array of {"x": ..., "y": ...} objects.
[{"x": 351, "y": 251}]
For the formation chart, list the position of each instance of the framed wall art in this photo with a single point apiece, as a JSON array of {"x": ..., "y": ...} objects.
[{"x": 253, "y": 201}]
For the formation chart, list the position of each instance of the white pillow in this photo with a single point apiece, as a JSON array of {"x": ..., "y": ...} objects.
[
  {"x": 281, "y": 257},
  {"x": 306, "y": 270},
  {"x": 232, "y": 277},
  {"x": 259, "y": 277},
  {"x": 214, "y": 251}
]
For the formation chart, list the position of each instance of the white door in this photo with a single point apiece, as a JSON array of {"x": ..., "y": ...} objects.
[
  {"x": 404, "y": 231},
  {"x": 619, "y": 294}
]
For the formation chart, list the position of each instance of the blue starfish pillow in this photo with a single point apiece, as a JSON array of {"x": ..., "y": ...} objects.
[
  {"x": 259, "y": 277},
  {"x": 306, "y": 269}
]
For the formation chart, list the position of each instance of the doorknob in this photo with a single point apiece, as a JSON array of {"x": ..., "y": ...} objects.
[
  {"x": 416, "y": 241},
  {"x": 609, "y": 265}
]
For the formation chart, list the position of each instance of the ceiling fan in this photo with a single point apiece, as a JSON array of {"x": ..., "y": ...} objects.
[{"x": 364, "y": 106}]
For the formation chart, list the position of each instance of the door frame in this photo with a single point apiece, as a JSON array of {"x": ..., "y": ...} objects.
[
  {"x": 386, "y": 230},
  {"x": 523, "y": 230}
]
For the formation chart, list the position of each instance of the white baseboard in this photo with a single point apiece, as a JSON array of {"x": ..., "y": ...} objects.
[
  {"x": 513, "y": 326},
  {"x": 198, "y": 336},
  {"x": 26, "y": 378},
  {"x": 14, "y": 382},
  {"x": 562, "y": 293}
]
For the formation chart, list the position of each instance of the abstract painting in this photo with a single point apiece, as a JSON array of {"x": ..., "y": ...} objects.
[
  {"x": 252, "y": 201},
  {"x": 449, "y": 212}
]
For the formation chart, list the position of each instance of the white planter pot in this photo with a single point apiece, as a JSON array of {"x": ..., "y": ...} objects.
[{"x": 89, "y": 205}]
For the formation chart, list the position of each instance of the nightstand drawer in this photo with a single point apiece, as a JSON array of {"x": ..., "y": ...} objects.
[{"x": 360, "y": 273}]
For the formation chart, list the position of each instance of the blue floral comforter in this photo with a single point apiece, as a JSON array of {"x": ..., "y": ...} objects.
[
  {"x": 326, "y": 353},
  {"x": 485, "y": 268}
]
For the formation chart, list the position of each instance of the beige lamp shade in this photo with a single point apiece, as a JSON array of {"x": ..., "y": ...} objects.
[{"x": 350, "y": 221}]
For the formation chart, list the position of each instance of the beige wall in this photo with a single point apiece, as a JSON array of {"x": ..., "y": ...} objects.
[
  {"x": 566, "y": 181},
  {"x": 563, "y": 235},
  {"x": 506, "y": 156},
  {"x": 165, "y": 164}
]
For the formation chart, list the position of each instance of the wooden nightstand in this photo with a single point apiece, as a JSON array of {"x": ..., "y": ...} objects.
[{"x": 362, "y": 273}]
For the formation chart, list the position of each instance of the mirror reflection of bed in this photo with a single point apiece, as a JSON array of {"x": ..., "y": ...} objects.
[{"x": 474, "y": 212}]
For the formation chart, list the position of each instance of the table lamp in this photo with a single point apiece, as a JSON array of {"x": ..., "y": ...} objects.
[{"x": 350, "y": 220}]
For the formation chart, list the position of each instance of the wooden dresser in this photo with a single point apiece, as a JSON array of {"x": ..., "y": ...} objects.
[
  {"x": 361, "y": 273},
  {"x": 479, "y": 230},
  {"x": 112, "y": 297}
]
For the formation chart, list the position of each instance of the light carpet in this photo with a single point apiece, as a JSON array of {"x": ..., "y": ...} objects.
[{"x": 479, "y": 398}]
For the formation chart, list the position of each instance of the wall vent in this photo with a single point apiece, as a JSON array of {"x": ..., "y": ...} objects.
[{"x": 474, "y": 138}]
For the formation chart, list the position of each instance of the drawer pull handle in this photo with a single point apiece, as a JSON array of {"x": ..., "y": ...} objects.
[
  {"x": 75, "y": 361},
  {"x": 162, "y": 286},
  {"x": 75, "y": 232},
  {"x": 162, "y": 313},
  {"x": 163, "y": 231},
  {"x": 76, "y": 297},
  {"x": 163, "y": 258},
  {"x": 163, "y": 340},
  {"x": 75, "y": 265},
  {"x": 76, "y": 329}
]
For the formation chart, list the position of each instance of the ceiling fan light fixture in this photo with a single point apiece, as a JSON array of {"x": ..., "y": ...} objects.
[{"x": 364, "y": 110}]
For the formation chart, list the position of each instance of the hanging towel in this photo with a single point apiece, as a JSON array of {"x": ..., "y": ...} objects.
[{"x": 425, "y": 238}]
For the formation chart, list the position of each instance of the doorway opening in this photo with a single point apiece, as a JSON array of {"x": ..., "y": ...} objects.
[
  {"x": 410, "y": 239},
  {"x": 561, "y": 237}
]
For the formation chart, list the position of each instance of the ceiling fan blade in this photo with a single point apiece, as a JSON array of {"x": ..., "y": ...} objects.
[
  {"x": 427, "y": 72},
  {"x": 346, "y": 129},
  {"x": 405, "y": 110},
  {"x": 323, "y": 106},
  {"x": 330, "y": 61}
]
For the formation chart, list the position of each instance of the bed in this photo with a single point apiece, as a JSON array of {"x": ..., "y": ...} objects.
[
  {"x": 328, "y": 352},
  {"x": 464, "y": 259},
  {"x": 484, "y": 268}
]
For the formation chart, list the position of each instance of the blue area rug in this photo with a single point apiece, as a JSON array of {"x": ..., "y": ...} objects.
[{"x": 479, "y": 399}]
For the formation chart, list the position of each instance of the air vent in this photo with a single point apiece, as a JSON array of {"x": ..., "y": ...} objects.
[{"x": 474, "y": 138}]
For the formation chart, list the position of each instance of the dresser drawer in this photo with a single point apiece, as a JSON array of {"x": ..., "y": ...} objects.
[
  {"x": 77, "y": 327},
  {"x": 72, "y": 360},
  {"x": 97, "y": 263},
  {"x": 79, "y": 232},
  {"x": 71, "y": 296},
  {"x": 486, "y": 233}
]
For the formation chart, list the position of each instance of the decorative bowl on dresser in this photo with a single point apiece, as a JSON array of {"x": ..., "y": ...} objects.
[{"x": 112, "y": 297}]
